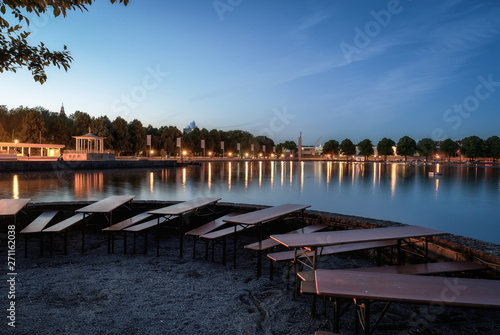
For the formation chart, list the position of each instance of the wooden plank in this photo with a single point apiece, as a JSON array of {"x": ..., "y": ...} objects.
[
  {"x": 425, "y": 268},
  {"x": 65, "y": 224},
  {"x": 221, "y": 233},
  {"x": 128, "y": 222},
  {"x": 413, "y": 269},
  {"x": 267, "y": 214},
  {"x": 336, "y": 249},
  {"x": 353, "y": 236},
  {"x": 210, "y": 226},
  {"x": 106, "y": 205},
  {"x": 454, "y": 291},
  {"x": 270, "y": 243},
  {"x": 142, "y": 226},
  {"x": 185, "y": 207},
  {"x": 12, "y": 206},
  {"x": 321, "y": 332},
  {"x": 40, "y": 222}
]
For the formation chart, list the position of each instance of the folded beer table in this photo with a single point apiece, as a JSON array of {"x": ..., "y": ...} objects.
[
  {"x": 365, "y": 287},
  {"x": 10, "y": 207},
  {"x": 181, "y": 209}
]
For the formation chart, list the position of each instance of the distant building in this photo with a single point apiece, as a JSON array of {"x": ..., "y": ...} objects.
[
  {"x": 62, "y": 112},
  {"x": 190, "y": 127}
]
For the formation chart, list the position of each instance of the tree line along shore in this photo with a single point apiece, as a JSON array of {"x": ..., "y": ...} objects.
[{"x": 39, "y": 125}]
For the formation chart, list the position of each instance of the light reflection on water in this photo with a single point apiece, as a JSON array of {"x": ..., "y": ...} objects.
[{"x": 463, "y": 200}]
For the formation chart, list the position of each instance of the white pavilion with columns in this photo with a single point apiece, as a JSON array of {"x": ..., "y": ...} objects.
[{"x": 89, "y": 147}]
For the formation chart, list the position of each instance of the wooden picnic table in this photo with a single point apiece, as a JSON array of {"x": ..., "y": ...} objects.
[
  {"x": 106, "y": 206},
  {"x": 257, "y": 218},
  {"x": 313, "y": 241},
  {"x": 11, "y": 207},
  {"x": 181, "y": 209},
  {"x": 367, "y": 286}
]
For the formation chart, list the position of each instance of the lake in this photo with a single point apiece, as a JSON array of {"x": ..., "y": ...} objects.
[{"x": 463, "y": 200}]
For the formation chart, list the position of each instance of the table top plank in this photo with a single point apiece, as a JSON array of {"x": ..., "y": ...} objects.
[
  {"x": 185, "y": 207},
  {"x": 106, "y": 205},
  {"x": 40, "y": 222},
  {"x": 267, "y": 214},
  {"x": 353, "y": 236},
  {"x": 454, "y": 291},
  {"x": 12, "y": 206}
]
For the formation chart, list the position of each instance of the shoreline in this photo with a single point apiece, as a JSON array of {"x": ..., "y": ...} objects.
[{"x": 56, "y": 165}]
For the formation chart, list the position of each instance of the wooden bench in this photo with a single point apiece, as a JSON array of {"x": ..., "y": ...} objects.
[
  {"x": 36, "y": 227},
  {"x": 412, "y": 269},
  {"x": 139, "y": 229},
  {"x": 62, "y": 227},
  {"x": 334, "y": 249},
  {"x": 270, "y": 243},
  {"x": 118, "y": 227},
  {"x": 207, "y": 228}
]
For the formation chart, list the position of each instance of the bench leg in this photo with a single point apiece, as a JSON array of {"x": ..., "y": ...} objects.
[
  {"x": 336, "y": 315},
  {"x": 234, "y": 248},
  {"x": 25, "y": 246},
  {"x": 109, "y": 242},
  {"x": 135, "y": 238},
  {"x": 51, "y": 244},
  {"x": 65, "y": 243},
  {"x": 41, "y": 244},
  {"x": 213, "y": 251},
  {"x": 125, "y": 242},
  {"x": 206, "y": 250},
  {"x": 271, "y": 270},
  {"x": 224, "y": 250},
  {"x": 83, "y": 239},
  {"x": 158, "y": 240},
  {"x": 194, "y": 248}
]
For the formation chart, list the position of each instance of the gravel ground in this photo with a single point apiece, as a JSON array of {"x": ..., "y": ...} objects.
[{"x": 101, "y": 293}]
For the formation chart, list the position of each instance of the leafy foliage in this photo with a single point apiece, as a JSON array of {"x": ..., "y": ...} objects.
[
  {"x": 426, "y": 147},
  {"x": 331, "y": 147},
  {"x": 406, "y": 146},
  {"x": 449, "y": 148},
  {"x": 493, "y": 147},
  {"x": 365, "y": 148},
  {"x": 473, "y": 147},
  {"x": 347, "y": 148},
  {"x": 16, "y": 52},
  {"x": 385, "y": 147}
]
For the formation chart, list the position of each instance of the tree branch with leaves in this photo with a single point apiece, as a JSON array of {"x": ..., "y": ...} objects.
[{"x": 16, "y": 52}]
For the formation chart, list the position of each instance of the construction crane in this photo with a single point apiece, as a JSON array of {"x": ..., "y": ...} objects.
[{"x": 317, "y": 141}]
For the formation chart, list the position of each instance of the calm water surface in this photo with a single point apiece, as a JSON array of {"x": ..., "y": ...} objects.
[{"x": 463, "y": 200}]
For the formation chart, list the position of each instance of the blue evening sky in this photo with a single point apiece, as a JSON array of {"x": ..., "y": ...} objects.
[{"x": 330, "y": 69}]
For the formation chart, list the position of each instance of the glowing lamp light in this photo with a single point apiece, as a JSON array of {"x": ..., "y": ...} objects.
[
  {"x": 184, "y": 153},
  {"x": 210, "y": 153}
]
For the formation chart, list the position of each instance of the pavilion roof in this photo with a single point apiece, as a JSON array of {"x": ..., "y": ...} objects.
[{"x": 90, "y": 136}]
